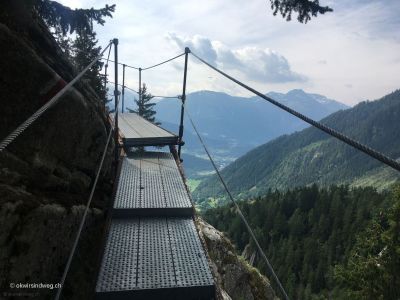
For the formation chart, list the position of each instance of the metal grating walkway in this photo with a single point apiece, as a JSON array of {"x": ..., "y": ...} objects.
[
  {"x": 153, "y": 250},
  {"x": 137, "y": 131},
  {"x": 154, "y": 258},
  {"x": 150, "y": 184}
]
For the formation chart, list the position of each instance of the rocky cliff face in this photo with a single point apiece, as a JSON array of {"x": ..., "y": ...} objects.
[
  {"x": 236, "y": 279},
  {"x": 46, "y": 174}
]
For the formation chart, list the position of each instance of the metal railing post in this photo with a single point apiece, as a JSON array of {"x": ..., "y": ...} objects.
[
  {"x": 183, "y": 98},
  {"x": 116, "y": 133},
  {"x": 140, "y": 85},
  {"x": 123, "y": 87},
  {"x": 105, "y": 75}
]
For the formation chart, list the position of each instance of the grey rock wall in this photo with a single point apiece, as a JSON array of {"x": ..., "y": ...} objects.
[
  {"x": 47, "y": 173},
  {"x": 235, "y": 277}
]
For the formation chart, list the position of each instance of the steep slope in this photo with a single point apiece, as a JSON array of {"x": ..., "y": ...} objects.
[
  {"x": 311, "y": 156},
  {"x": 236, "y": 278}
]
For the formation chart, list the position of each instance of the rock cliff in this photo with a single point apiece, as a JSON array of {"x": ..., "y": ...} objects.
[
  {"x": 236, "y": 279},
  {"x": 46, "y": 174}
]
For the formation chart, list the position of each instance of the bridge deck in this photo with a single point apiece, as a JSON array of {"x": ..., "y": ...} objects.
[
  {"x": 154, "y": 258},
  {"x": 153, "y": 250},
  {"x": 137, "y": 131},
  {"x": 150, "y": 184}
]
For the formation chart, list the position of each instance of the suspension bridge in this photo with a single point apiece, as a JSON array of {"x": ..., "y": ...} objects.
[{"x": 153, "y": 249}]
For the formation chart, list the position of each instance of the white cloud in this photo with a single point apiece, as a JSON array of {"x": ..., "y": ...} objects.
[
  {"x": 201, "y": 45},
  {"x": 358, "y": 43},
  {"x": 262, "y": 65}
]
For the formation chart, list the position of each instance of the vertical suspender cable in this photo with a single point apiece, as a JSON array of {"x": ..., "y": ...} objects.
[{"x": 183, "y": 98}]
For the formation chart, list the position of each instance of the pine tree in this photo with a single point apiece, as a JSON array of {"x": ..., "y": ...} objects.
[
  {"x": 305, "y": 9},
  {"x": 86, "y": 50},
  {"x": 373, "y": 269},
  {"x": 145, "y": 106},
  {"x": 65, "y": 43},
  {"x": 67, "y": 20}
]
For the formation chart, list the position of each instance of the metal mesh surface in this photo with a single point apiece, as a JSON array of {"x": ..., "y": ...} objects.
[
  {"x": 118, "y": 270},
  {"x": 156, "y": 263},
  {"x": 151, "y": 180},
  {"x": 129, "y": 191},
  {"x": 153, "y": 253},
  {"x": 190, "y": 261}
]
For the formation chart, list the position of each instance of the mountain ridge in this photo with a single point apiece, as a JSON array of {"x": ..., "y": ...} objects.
[{"x": 232, "y": 125}]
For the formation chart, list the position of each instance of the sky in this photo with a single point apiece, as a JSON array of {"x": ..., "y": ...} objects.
[{"x": 351, "y": 54}]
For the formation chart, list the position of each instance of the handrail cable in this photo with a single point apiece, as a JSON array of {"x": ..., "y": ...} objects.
[
  {"x": 121, "y": 64},
  {"x": 153, "y": 66},
  {"x": 355, "y": 144},
  {"x": 239, "y": 211},
  {"x": 153, "y": 96},
  {"x": 128, "y": 88},
  {"x": 165, "y": 61},
  {"x": 21, "y": 128}
]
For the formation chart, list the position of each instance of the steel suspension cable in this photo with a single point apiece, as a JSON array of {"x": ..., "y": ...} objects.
[
  {"x": 21, "y": 128},
  {"x": 355, "y": 144},
  {"x": 137, "y": 68},
  {"x": 161, "y": 63},
  {"x": 108, "y": 59},
  {"x": 239, "y": 211}
]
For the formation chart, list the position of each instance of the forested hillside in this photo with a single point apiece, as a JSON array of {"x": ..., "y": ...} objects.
[
  {"x": 307, "y": 231},
  {"x": 311, "y": 156}
]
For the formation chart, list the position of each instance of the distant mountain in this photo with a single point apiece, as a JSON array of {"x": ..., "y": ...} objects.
[
  {"x": 314, "y": 104},
  {"x": 311, "y": 156},
  {"x": 231, "y": 126}
]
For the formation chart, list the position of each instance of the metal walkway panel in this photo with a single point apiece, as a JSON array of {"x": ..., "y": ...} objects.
[
  {"x": 137, "y": 131},
  {"x": 186, "y": 243},
  {"x": 119, "y": 270},
  {"x": 150, "y": 184},
  {"x": 154, "y": 258}
]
